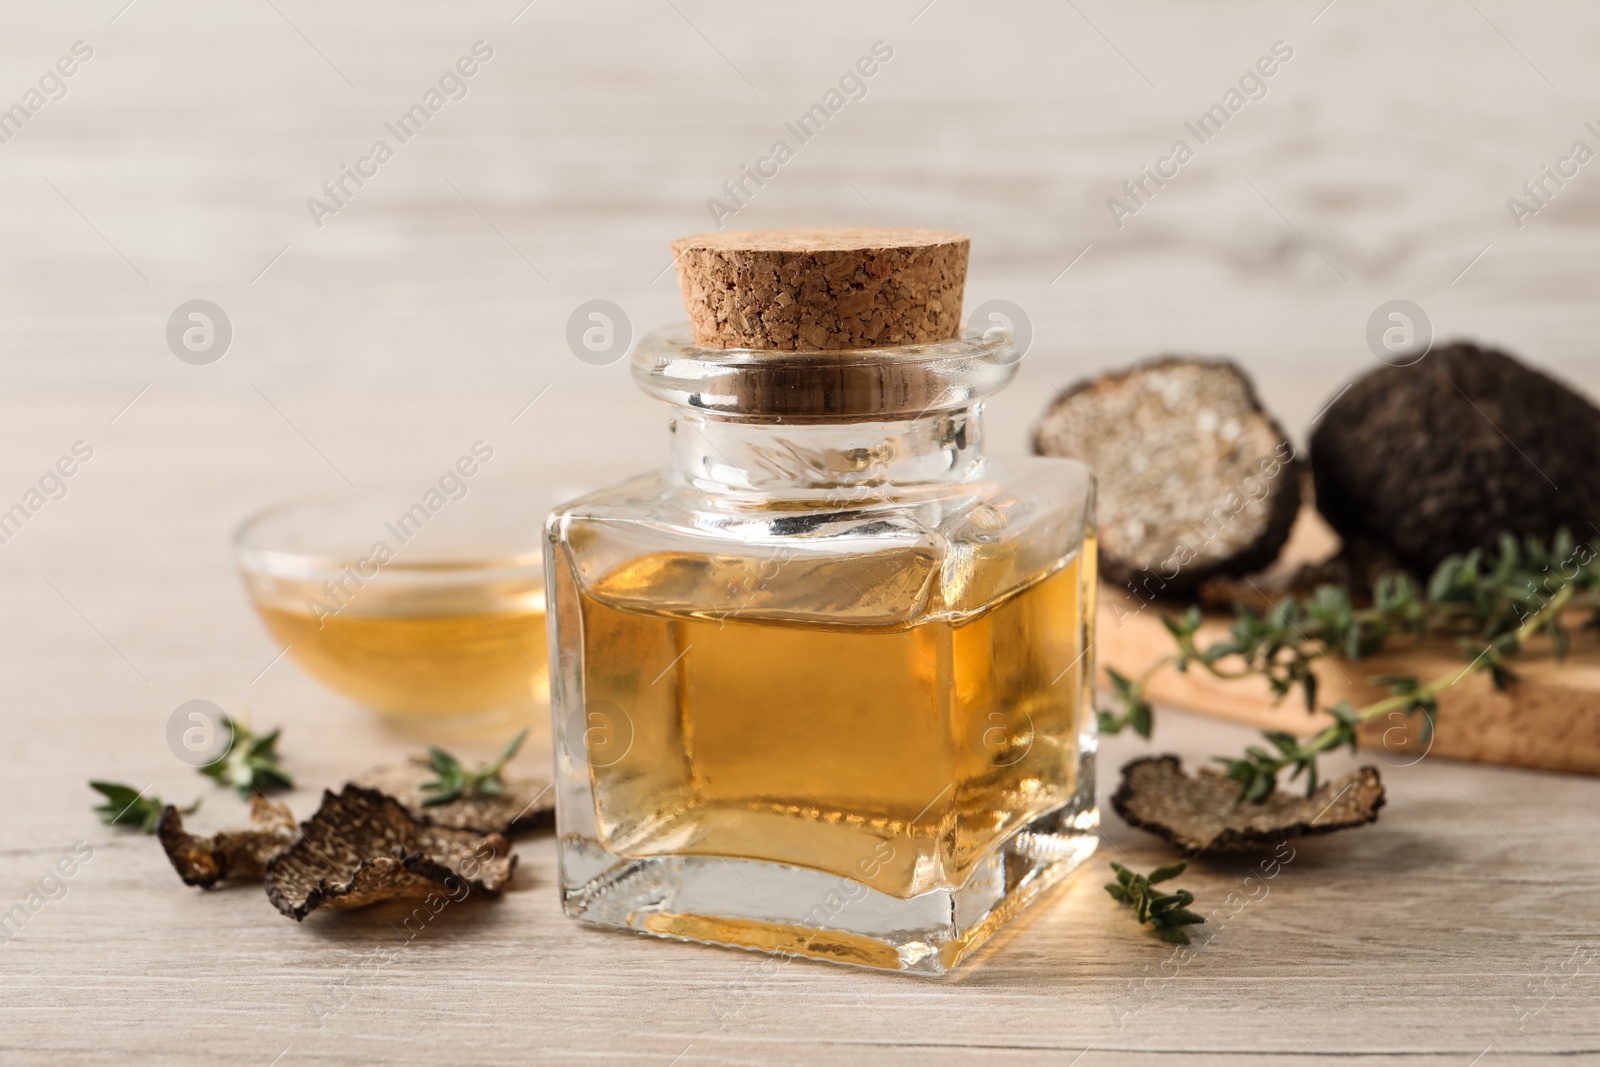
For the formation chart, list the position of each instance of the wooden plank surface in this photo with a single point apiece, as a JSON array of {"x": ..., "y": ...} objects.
[
  {"x": 431, "y": 311},
  {"x": 1547, "y": 718}
]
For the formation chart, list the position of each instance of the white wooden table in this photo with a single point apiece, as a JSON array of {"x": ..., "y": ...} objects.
[{"x": 427, "y": 314}]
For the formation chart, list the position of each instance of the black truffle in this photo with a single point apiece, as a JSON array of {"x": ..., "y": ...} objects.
[
  {"x": 1194, "y": 478},
  {"x": 1202, "y": 815},
  {"x": 1442, "y": 456},
  {"x": 362, "y": 846},
  {"x": 227, "y": 854}
]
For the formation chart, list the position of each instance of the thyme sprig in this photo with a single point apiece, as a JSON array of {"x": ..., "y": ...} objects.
[
  {"x": 455, "y": 781},
  {"x": 1492, "y": 606},
  {"x": 1135, "y": 711},
  {"x": 251, "y": 763},
  {"x": 127, "y": 806},
  {"x": 1167, "y": 913}
]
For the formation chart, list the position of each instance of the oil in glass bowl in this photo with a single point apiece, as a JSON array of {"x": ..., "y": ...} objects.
[{"x": 407, "y": 609}]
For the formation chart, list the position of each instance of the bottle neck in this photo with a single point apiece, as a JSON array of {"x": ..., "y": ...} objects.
[{"x": 826, "y": 463}]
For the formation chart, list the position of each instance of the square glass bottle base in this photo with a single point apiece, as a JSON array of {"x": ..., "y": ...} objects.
[{"x": 792, "y": 911}]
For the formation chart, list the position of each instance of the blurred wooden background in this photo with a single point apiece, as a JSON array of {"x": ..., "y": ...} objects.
[{"x": 428, "y": 312}]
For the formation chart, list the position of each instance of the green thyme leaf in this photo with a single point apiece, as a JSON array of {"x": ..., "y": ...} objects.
[
  {"x": 455, "y": 781},
  {"x": 1167, "y": 913},
  {"x": 250, "y": 765},
  {"x": 127, "y": 806}
]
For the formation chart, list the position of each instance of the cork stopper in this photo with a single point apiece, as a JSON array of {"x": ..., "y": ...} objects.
[{"x": 802, "y": 290}]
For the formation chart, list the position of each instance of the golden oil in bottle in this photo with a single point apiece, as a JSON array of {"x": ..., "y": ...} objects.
[
  {"x": 914, "y": 747},
  {"x": 820, "y": 684}
]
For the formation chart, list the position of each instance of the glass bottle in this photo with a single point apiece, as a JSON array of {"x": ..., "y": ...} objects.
[{"x": 820, "y": 686}]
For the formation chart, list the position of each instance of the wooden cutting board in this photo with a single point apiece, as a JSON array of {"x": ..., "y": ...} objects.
[{"x": 1549, "y": 719}]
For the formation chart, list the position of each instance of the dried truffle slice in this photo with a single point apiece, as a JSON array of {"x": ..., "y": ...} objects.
[
  {"x": 1440, "y": 457},
  {"x": 1201, "y": 815},
  {"x": 237, "y": 854},
  {"x": 1194, "y": 478},
  {"x": 363, "y": 846},
  {"x": 524, "y": 804}
]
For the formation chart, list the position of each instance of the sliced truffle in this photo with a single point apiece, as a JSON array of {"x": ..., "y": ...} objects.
[
  {"x": 522, "y": 804},
  {"x": 363, "y": 846},
  {"x": 235, "y": 854},
  {"x": 1202, "y": 814},
  {"x": 1440, "y": 457},
  {"x": 1194, "y": 478}
]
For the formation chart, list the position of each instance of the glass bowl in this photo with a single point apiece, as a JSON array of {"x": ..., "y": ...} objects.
[{"x": 410, "y": 603}]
